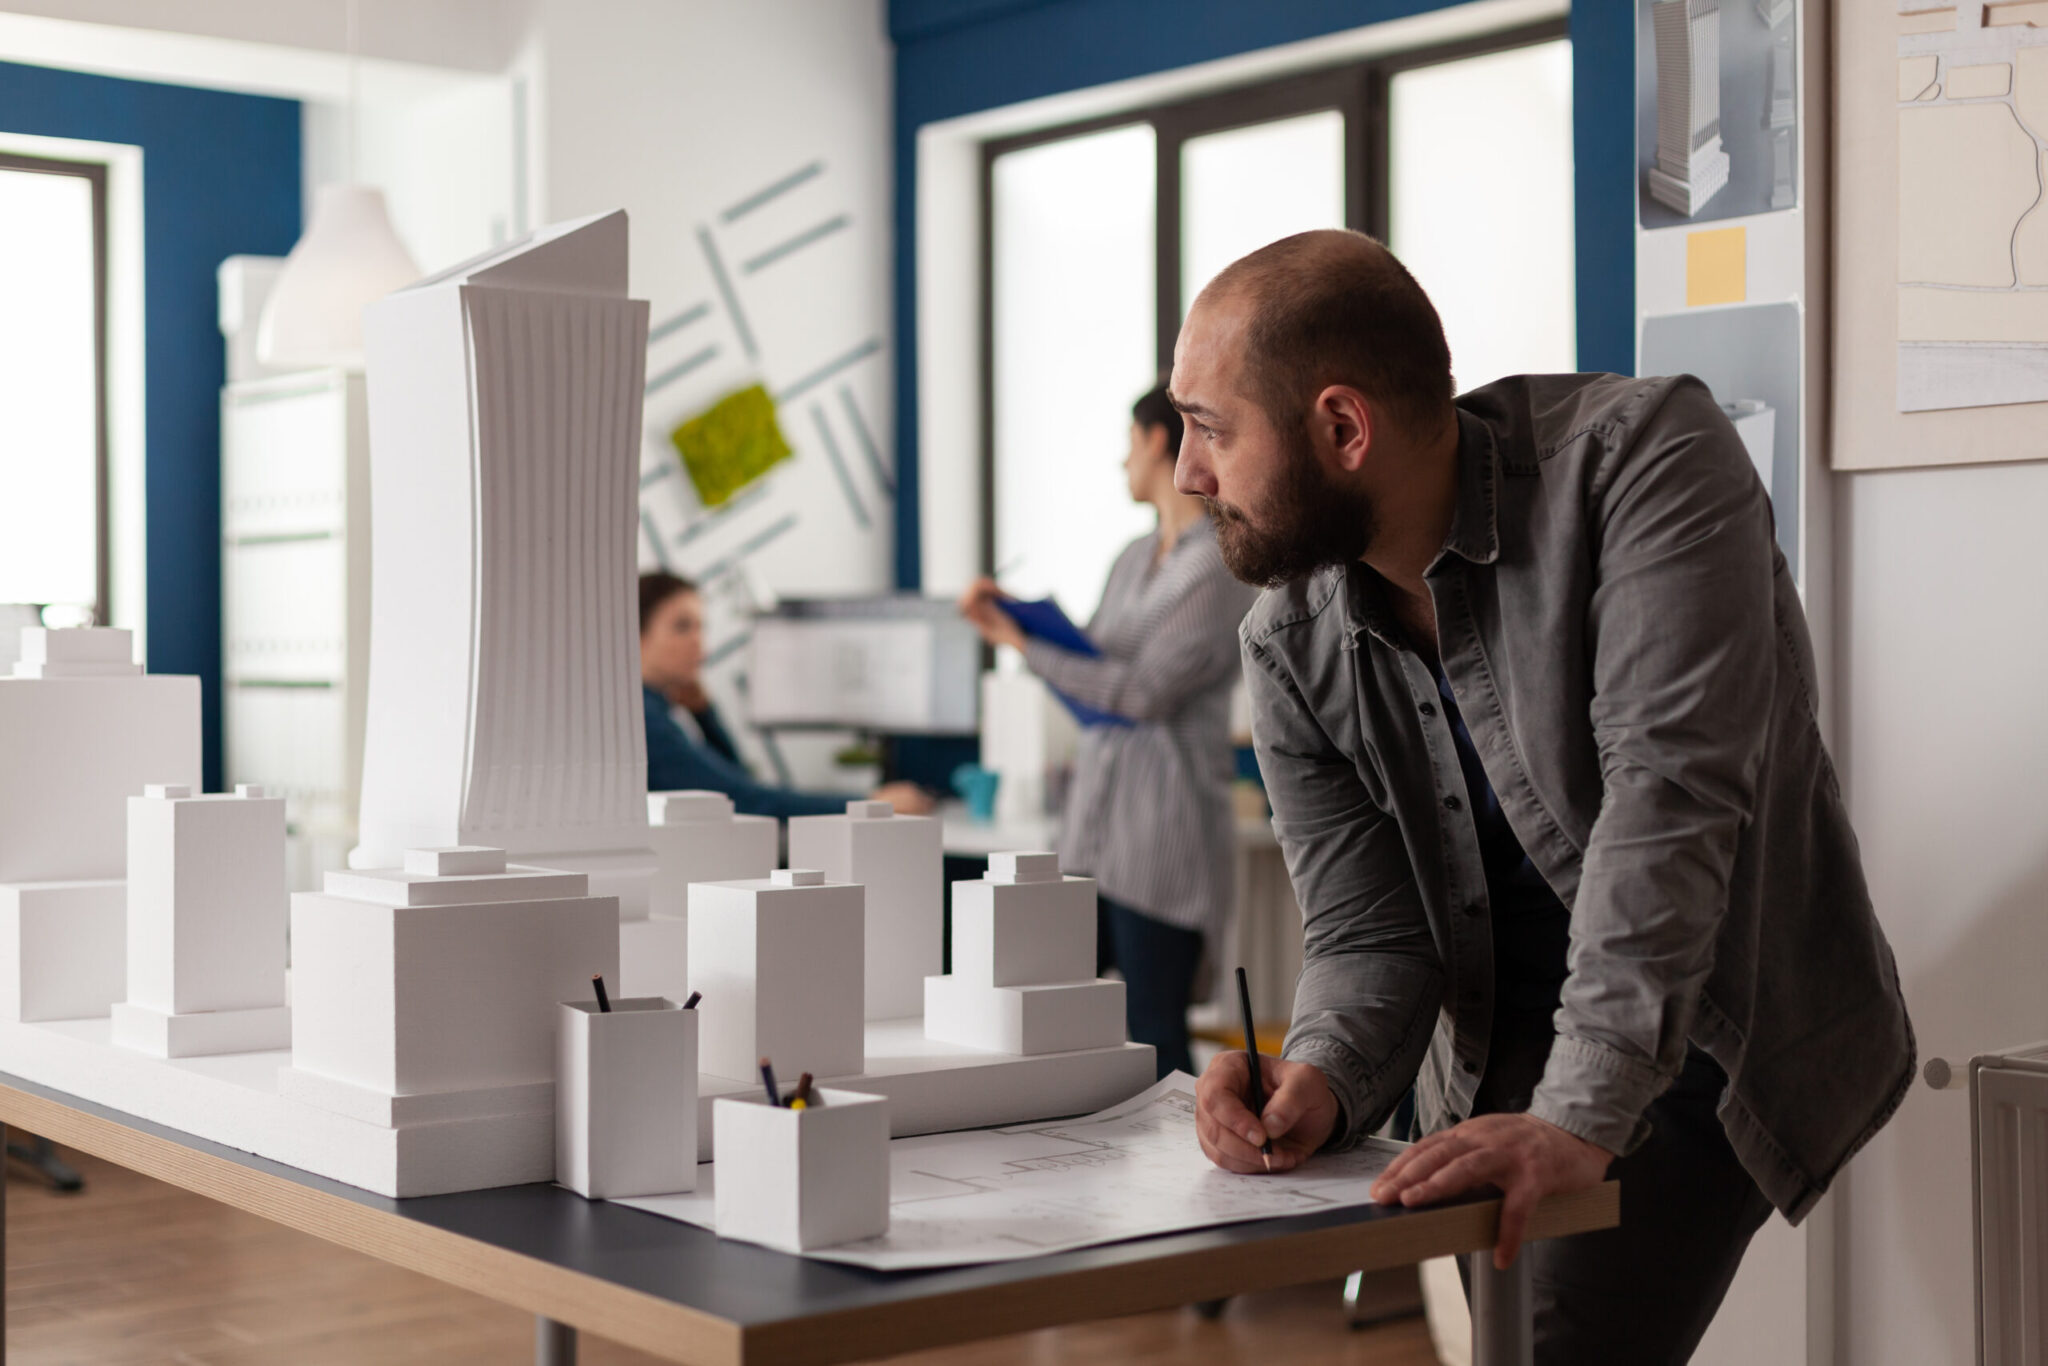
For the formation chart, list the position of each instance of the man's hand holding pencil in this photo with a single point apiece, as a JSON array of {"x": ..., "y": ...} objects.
[{"x": 1299, "y": 1115}]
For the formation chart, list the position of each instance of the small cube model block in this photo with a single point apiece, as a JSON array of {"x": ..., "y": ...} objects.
[
  {"x": 1058, "y": 1017},
  {"x": 898, "y": 859},
  {"x": 76, "y": 750},
  {"x": 1024, "y": 924},
  {"x": 79, "y": 645},
  {"x": 63, "y": 949},
  {"x": 79, "y": 652},
  {"x": 697, "y": 838},
  {"x": 462, "y": 860},
  {"x": 778, "y": 961},
  {"x": 422, "y": 998},
  {"x": 207, "y": 910},
  {"x": 801, "y": 1179},
  {"x": 626, "y": 1098}
]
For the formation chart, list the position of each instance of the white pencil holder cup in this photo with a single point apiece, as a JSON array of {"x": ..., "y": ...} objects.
[
  {"x": 626, "y": 1097},
  {"x": 801, "y": 1179}
]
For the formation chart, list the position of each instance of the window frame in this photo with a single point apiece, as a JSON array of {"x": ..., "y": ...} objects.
[
  {"x": 95, "y": 173},
  {"x": 1359, "y": 89}
]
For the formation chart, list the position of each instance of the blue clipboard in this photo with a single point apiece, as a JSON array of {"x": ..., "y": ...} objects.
[{"x": 1042, "y": 619}]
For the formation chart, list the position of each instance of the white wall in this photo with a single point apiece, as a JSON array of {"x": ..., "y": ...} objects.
[
  {"x": 1942, "y": 606},
  {"x": 679, "y": 112}
]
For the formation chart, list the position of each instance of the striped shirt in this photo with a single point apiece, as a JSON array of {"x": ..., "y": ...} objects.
[{"x": 1149, "y": 815}]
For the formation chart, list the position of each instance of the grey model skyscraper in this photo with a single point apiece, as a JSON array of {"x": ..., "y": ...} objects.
[
  {"x": 504, "y": 702},
  {"x": 1691, "y": 164}
]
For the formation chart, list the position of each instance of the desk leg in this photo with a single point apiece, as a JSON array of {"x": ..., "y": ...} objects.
[
  {"x": 1503, "y": 1329},
  {"x": 554, "y": 1344}
]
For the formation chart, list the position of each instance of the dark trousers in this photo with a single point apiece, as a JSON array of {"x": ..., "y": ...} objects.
[
  {"x": 1643, "y": 1292},
  {"x": 1158, "y": 962}
]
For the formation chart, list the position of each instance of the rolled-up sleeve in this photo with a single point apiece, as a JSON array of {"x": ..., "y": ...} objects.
[
  {"x": 1192, "y": 648},
  {"x": 1371, "y": 981},
  {"x": 1683, "y": 635}
]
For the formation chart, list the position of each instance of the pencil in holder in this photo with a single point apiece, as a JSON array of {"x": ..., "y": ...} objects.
[
  {"x": 798, "y": 1179},
  {"x": 626, "y": 1098}
]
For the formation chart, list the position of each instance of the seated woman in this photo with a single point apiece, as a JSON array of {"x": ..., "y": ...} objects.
[{"x": 688, "y": 747}]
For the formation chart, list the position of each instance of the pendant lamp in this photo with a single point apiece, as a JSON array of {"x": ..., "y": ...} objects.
[{"x": 348, "y": 258}]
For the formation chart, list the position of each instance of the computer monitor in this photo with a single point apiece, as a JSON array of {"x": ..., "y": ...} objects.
[{"x": 900, "y": 664}]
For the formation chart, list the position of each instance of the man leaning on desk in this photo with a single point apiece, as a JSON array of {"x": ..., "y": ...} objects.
[{"x": 1533, "y": 699}]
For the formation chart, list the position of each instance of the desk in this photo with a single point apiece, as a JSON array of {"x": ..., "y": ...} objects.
[{"x": 681, "y": 1294}]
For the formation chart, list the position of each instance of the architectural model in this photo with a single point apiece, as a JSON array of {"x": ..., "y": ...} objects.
[
  {"x": 696, "y": 838},
  {"x": 1691, "y": 166},
  {"x": 206, "y": 924},
  {"x": 898, "y": 859},
  {"x": 1023, "y": 978},
  {"x": 83, "y": 729},
  {"x": 778, "y": 962},
  {"x": 426, "y": 996},
  {"x": 504, "y": 708}
]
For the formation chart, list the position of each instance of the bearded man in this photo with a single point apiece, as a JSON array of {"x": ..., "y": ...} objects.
[{"x": 1533, "y": 700}]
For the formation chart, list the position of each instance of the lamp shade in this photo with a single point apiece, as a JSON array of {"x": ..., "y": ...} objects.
[{"x": 348, "y": 257}]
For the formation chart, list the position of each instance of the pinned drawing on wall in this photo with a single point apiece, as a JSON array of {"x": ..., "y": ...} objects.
[
  {"x": 731, "y": 444},
  {"x": 1717, "y": 109},
  {"x": 1973, "y": 233}
]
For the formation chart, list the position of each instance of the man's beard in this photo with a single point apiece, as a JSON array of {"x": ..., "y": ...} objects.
[{"x": 1312, "y": 521}]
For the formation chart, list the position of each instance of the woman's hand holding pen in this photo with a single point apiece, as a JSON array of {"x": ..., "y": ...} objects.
[
  {"x": 1299, "y": 1116},
  {"x": 978, "y": 605}
]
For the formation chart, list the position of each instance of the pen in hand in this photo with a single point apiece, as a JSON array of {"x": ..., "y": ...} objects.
[{"x": 1256, "y": 1100}]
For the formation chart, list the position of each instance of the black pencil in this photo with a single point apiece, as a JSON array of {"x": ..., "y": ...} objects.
[
  {"x": 695, "y": 997},
  {"x": 1257, "y": 1099},
  {"x": 768, "y": 1080},
  {"x": 604, "y": 1002}
]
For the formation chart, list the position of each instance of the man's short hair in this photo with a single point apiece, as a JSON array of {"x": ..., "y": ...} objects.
[
  {"x": 1336, "y": 307},
  {"x": 1155, "y": 409}
]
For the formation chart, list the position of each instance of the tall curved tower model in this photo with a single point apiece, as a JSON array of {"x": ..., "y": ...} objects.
[{"x": 504, "y": 707}]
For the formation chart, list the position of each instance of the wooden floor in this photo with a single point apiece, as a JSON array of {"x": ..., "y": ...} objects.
[{"x": 131, "y": 1271}]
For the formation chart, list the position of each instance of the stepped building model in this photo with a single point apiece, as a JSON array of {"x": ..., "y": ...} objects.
[
  {"x": 1691, "y": 166},
  {"x": 504, "y": 703},
  {"x": 83, "y": 729},
  {"x": 900, "y": 862}
]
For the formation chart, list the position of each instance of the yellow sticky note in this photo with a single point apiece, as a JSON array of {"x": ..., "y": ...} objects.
[{"x": 1716, "y": 267}]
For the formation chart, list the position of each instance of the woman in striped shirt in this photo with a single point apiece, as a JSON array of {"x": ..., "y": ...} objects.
[{"x": 1148, "y": 814}]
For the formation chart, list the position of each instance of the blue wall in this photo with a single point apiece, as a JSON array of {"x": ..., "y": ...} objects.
[
  {"x": 220, "y": 176},
  {"x": 956, "y": 57}
]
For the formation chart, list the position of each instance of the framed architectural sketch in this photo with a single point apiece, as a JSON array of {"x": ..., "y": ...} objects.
[{"x": 1941, "y": 234}]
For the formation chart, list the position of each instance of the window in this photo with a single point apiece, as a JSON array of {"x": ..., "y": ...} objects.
[
  {"x": 53, "y": 467},
  {"x": 1100, "y": 234}
]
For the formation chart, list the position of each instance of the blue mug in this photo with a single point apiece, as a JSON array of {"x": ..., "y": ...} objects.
[{"x": 977, "y": 787}]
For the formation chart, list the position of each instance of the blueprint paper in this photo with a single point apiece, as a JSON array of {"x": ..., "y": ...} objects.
[{"x": 1131, "y": 1171}]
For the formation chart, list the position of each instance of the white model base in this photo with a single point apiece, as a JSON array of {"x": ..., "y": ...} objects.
[
  {"x": 935, "y": 1087},
  {"x": 63, "y": 949},
  {"x": 233, "y": 1099},
  {"x": 1057, "y": 1017},
  {"x": 371, "y": 1106},
  {"x": 654, "y": 957},
  {"x": 201, "y": 1033}
]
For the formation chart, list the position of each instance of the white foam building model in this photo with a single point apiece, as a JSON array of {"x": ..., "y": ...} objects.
[
  {"x": 696, "y": 838},
  {"x": 425, "y": 997},
  {"x": 82, "y": 729},
  {"x": 504, "y": 689},
  {"x": 1691, "y": 166},
  {"x": 1023, "y": 978},
  {"x": 206, "y": 924},
  {"x": 900, "y": 862},
  {"x": 778, "y": 961}
]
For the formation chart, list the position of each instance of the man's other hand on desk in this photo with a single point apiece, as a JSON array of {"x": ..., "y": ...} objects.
[
  {"x": 908, "y": 798},
  {"x": 1525, "y": 1157},
  {"x": 1300, "y": 1113}
]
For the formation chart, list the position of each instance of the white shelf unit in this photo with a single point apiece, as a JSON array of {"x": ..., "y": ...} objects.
[{"x": 295, "y": 601}]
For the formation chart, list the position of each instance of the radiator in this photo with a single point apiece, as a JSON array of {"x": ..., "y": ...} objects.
[{"x": 2009, "y": 1170}]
